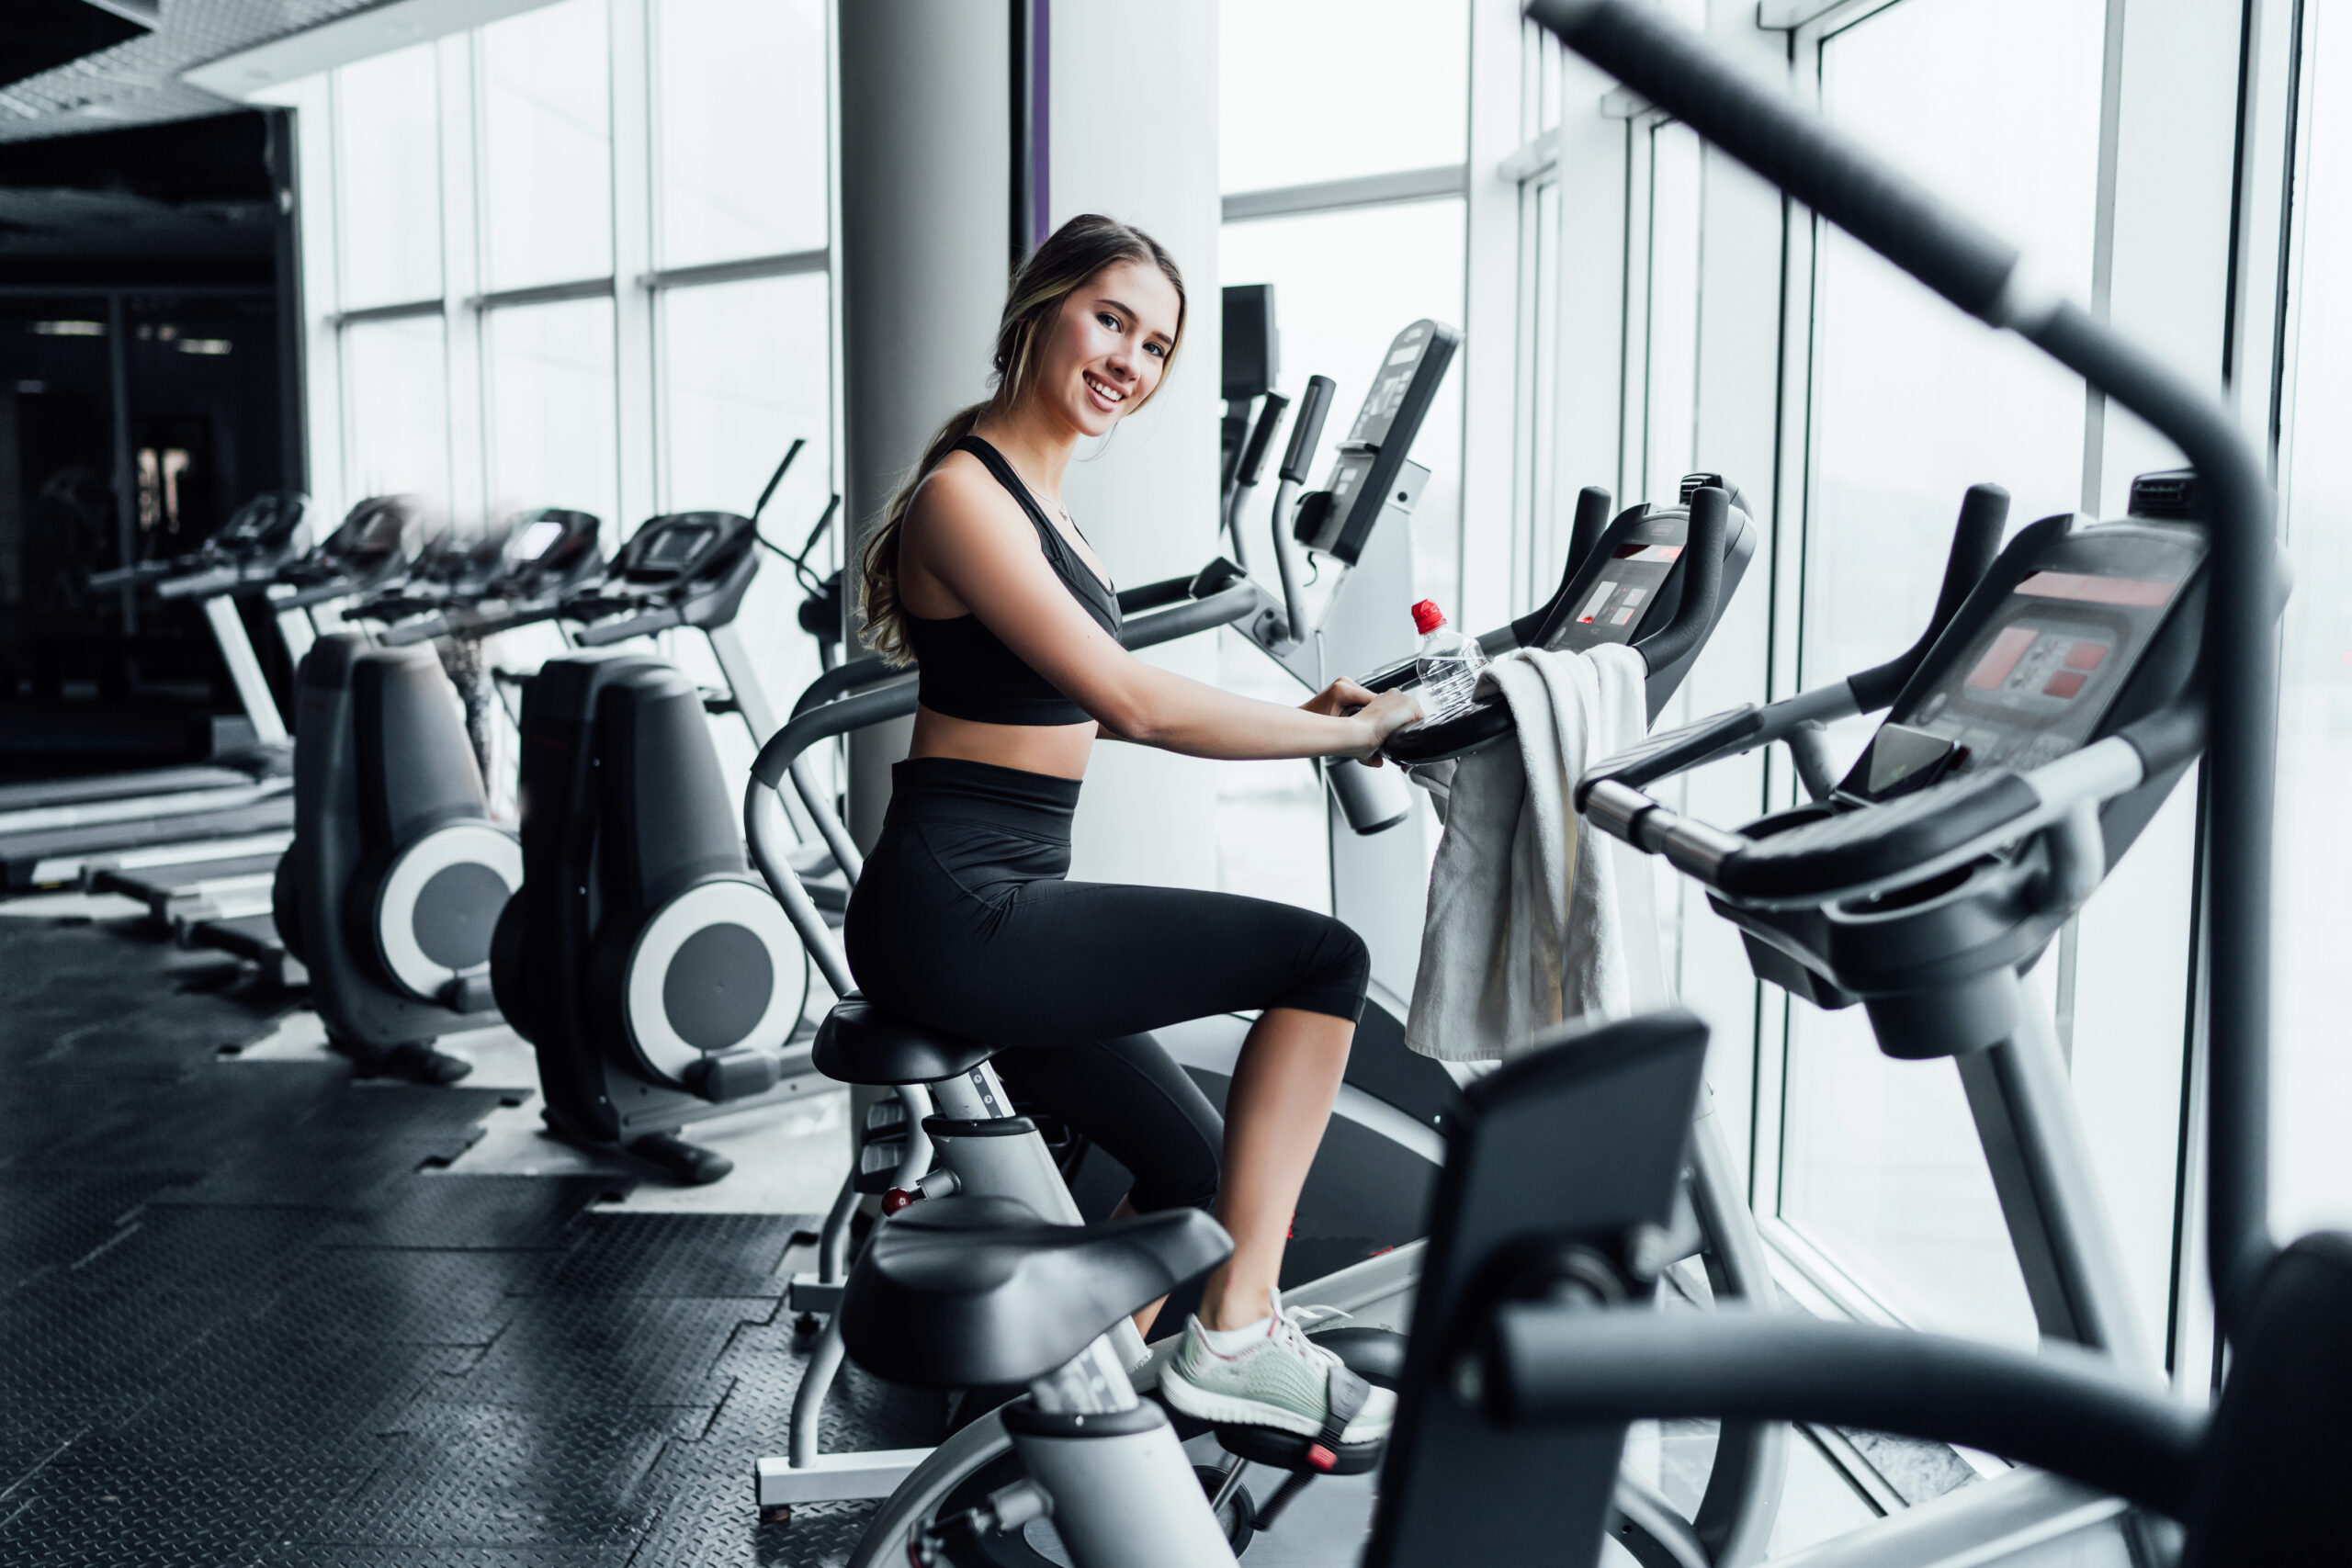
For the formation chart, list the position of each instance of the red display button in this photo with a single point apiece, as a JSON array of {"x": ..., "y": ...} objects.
[
  {"x": 2086, "y": 655},
  {"x": 2064, "y": 683}
]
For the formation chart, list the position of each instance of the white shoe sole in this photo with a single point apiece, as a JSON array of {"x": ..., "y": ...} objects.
[{"x": 1225, "y": 1408}]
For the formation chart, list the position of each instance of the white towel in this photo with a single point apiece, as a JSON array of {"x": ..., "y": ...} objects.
[{"x": 1534, "y": 918}]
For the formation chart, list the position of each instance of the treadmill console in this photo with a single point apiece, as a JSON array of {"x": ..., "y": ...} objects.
[
  {"x": 2036, "y": 675},
  {"x": 547, "y": 549},
  {"x": 1373, "y": 473},
  {"x": 682, "y": 547}
]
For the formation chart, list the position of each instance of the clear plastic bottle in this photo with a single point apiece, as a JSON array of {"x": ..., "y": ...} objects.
[{"x": 1448, "y": 663}]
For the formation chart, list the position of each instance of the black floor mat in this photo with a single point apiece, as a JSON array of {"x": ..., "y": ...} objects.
[{"x": 249, "y": 1323}]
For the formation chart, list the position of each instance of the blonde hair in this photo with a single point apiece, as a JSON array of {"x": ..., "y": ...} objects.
[{"x": 1071, "y": 256}]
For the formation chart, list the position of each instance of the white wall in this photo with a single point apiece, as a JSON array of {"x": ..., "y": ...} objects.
[{"x": 1134, "y": 135}]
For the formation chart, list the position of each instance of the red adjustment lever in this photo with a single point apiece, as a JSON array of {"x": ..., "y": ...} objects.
[
  {"x": 899, "y": 1198},
  {"x": 1320, "y": 1458}
]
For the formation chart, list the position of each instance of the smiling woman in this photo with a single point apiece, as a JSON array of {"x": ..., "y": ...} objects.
[{"x": 965, "y": 919}]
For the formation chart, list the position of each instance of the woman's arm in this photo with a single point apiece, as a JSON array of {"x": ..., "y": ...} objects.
[{"x": 968, "y": 537}]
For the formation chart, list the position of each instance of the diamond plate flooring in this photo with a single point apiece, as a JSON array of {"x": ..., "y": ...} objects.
[{"x": 253, "y": 1320}]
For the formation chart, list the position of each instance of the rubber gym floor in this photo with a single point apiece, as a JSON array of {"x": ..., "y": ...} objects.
[{"x": 245, "y": 1320}]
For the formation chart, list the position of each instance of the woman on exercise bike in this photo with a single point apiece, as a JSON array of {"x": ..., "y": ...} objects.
[{"x": 964, "y": 918}]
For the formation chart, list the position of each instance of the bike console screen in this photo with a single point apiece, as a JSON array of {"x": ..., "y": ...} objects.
[
  {"x": 2035, "y": 680},
  {"x": 1618, "y": 603}
]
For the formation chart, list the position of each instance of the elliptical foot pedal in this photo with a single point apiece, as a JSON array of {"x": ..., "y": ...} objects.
[{"x": 684, "y": 1162}]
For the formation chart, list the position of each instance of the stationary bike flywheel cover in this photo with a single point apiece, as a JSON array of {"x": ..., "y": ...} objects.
[
  {"x": 711, "y": 971},
  {"x": 439, "y": 902}
]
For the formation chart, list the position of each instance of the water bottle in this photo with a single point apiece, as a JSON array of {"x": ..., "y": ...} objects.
[{"x": 1448, "y": 663}]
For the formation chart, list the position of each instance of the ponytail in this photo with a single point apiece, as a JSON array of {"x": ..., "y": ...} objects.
[{"x": 877, "y": 593}]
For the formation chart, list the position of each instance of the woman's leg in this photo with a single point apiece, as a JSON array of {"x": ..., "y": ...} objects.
[{"x": 1274, "y": 1115}]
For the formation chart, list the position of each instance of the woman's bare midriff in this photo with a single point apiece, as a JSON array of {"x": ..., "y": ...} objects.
[{"x": 1060, "y": 750}]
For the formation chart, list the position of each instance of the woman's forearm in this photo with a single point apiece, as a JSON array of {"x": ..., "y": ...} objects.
[{"x": 1175, "y": 713}]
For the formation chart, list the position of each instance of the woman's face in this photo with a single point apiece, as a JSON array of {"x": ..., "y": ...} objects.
[{"x": 1109, "y": 347}]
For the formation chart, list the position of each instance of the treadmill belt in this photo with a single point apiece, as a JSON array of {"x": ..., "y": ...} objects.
[{"x": 54, "y": 858}]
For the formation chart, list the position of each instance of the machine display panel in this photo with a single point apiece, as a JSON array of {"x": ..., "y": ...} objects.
[
  {"x": 535, "y": 539},
  {"x": 2035, "y": 682},
  {"x": 1612, "y": 608},
  {"x": 675, "y": 548}
]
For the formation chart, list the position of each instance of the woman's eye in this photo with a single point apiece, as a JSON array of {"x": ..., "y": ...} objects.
[{"x": 1159, "y": 349}]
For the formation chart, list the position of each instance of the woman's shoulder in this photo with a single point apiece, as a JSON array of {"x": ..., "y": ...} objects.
[{"x": 961, "y": 485}]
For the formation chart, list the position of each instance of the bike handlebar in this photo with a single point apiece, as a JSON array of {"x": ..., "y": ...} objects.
[{"x": 1984, "y": 512}]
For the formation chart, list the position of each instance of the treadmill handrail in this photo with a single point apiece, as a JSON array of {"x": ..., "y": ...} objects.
[
  {"x": 1829, "y": 173},
  {"x": 2062, "y": 1409}
]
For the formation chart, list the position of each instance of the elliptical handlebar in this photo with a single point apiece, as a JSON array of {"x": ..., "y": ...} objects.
[{"x": 1799, "y": 153}]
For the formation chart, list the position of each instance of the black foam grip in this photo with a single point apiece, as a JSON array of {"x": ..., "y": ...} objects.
[
  {"x": 1307, "y": 431},
  {"x": 1702, "y": 579},
  {"x": 1261, "y": 438},
  {"x": 1793, "y": 148},
  {"x": 1592, "y": 520},
  {"x": 1975, "y": 543}
]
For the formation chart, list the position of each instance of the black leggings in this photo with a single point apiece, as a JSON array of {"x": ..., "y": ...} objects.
[{"x": 964, "y": 920}]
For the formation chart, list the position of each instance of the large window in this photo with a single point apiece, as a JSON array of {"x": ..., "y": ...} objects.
[
  {"x": 2311, "y": 1075},
  {"x": 1349, "y": 200},
  {"x": 546, "y": 207},
  {"x": 579, "y": 257},
  {"x": 1910, "y": 403},
  {"x": 739, "y": 113},
  {"x": 388, "y": 178},
  {"x": 549, "y": 385}
]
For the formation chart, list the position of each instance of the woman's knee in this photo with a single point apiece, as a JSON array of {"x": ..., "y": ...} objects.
[{"x": 1334, "y": 970}]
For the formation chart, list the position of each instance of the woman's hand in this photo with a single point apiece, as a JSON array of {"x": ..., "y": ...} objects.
[
  {"x": 1339, "y": 699},
  {"x": 1382, "y": 716}
]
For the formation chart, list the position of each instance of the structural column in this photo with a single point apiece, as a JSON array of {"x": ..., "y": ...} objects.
[{"x": 926, "y": 162}]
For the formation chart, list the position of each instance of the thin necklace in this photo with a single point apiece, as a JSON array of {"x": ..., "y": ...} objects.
[{"x": 1039, "y": 496}]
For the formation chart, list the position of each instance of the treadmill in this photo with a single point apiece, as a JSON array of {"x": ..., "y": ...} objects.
[
  {"x": 51, "y": 829},
  {"x": 215, "y": 890}
]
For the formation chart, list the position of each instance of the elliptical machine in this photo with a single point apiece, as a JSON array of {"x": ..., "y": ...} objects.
[
  {"x": 658, "y": 982},
  {"x": 396, "y": 875}
]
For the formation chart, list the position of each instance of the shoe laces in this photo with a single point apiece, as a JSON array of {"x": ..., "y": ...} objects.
[{"x": 1292, "y": 1325}]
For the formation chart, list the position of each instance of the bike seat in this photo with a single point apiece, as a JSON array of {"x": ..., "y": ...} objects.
[
  {"x": 858, "y": 1042},
  {"x": 972, "y": 1291}
]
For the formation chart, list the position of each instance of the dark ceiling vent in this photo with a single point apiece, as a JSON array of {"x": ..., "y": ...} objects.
[{"x": 41, "y": 34}]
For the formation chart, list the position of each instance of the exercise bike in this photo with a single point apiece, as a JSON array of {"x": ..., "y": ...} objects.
[{"x": 983, "y": 1149}]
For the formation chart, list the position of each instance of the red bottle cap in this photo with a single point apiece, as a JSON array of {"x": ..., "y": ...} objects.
[{"x": 1426, "y": 617}]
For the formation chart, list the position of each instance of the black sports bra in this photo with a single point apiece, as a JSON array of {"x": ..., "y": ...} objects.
[{"x": 966, "y": 670}]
